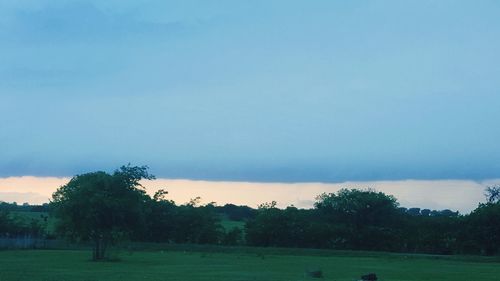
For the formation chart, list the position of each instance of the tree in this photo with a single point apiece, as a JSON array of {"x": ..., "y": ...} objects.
[
  {"x": 15, "y": 226},
  {"x": 492, "y": 193},
  {"x": 484, "y": 229},
  {"x": 360, "y": 207},
  {"x": 425, "y": 212},
  {"x": 5, "y": 223},
  {"x": 161, "y": 214},
  {"x": 268, "y": 228},
  {"x": 236, "y": 213},
  {"x": 197, "y": 224},
  {"x": 363, "y": 219},
  {"x": 290, "y": 227},
  {"x": 101, "y": 207}
]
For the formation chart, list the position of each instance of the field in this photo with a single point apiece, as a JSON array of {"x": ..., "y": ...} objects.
[{"x": 66, "y": 265}]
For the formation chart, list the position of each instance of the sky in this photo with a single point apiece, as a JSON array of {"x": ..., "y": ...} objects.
[
  {"x": 256, "y": 91},
  {"x": 457, "y": 195}
]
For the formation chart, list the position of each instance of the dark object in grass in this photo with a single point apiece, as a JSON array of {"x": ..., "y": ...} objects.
[
  {"x": 314, "y": 273},
  {"x": 369, "y": 277}
]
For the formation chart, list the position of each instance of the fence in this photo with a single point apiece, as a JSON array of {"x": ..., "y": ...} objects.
[{"x": 28, "y": 242}]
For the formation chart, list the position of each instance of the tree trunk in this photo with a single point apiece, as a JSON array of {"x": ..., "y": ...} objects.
[
  {"x": 99, "y": 251},
  {"x": 104, "y": 245}
]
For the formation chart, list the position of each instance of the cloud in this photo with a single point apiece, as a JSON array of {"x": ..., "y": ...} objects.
[
  {"x": 459, "y": 195},
  {"x": 21, "y": 198},
  {"x": 267, "y": 91},
  {"x": 77, "y": 22},
  {"x": 70, "y": 47}
]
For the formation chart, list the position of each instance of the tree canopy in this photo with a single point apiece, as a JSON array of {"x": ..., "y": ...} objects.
[{"x": 101, "y": 207}]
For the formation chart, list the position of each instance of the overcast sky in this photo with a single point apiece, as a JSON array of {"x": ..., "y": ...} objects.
[{"x": 259, "y": 91}]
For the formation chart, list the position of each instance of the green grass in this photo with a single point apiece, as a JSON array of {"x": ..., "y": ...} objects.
[
  {"x": 62, "y": 265},
  {"x": 229, "y": 224}
]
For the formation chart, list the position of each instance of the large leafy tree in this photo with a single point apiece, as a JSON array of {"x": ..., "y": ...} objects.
[
  {"x": 290, "y": 227},
  {"x": 484, "y": 228},
  {"x": 101, "y": 207},
  {"x": 364, "y": 219}
]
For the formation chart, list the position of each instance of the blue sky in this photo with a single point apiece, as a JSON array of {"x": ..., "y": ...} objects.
[{"x": 267, "y": 91}]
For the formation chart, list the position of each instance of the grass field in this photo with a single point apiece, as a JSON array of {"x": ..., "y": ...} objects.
[
  {"x": 229, "y": 224},
  {"x": 66, "y": 265}
]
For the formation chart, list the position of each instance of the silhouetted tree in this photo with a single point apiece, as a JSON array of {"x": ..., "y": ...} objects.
[
  {"x": 484, "y": 228},
  {"x": 6, "y": 224},
  {"x": 492, "y": 193},
  {"x": 362, "y": 219},
  {"x": 413, "y": 212},
  {"x": 161, "y": 218},
  {"x": 236, "y": 213},
  {"x": 101, "y": 207},
  {"x": 197, "y": 224}
]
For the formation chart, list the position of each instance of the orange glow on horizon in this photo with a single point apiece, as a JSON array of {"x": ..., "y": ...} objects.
[{"x": 437, "y": 194}]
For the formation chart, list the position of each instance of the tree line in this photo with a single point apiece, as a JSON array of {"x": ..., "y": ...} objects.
[
  {"x": 17, "y": 226},
  {"x": 104, "y": 209}
]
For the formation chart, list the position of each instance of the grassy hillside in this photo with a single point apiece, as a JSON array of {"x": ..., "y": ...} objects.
[
  {"x": 42, "y": 217},
  {"x": 230, "y": 224},
  {"x": 178, "y": 265}
]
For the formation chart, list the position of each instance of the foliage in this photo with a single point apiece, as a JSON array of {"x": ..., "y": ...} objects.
[
  {"x": 16, "y": 226},
  {"x": 101, "y": 207},
  {"x": 233, "y": 237},
  {"x": 492, "y": 193},
  {"x": 104, "y": 208},
  {"x": 362, "y": 219},
  {"x": 188, "y": 223},
  {"x": 358, "y": 207},
  {"x": 484, "y": 228},
  {"x": 197, "y": 225},
  {"x": 236, "y": 213},
  {"x": 25, "y": 207}
]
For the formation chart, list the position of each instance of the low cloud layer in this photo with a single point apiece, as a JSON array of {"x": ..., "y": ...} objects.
[{"x": 443, "y": 194}]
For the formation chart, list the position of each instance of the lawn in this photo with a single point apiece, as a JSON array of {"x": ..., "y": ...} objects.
[{"x": 66, "y": 265}]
